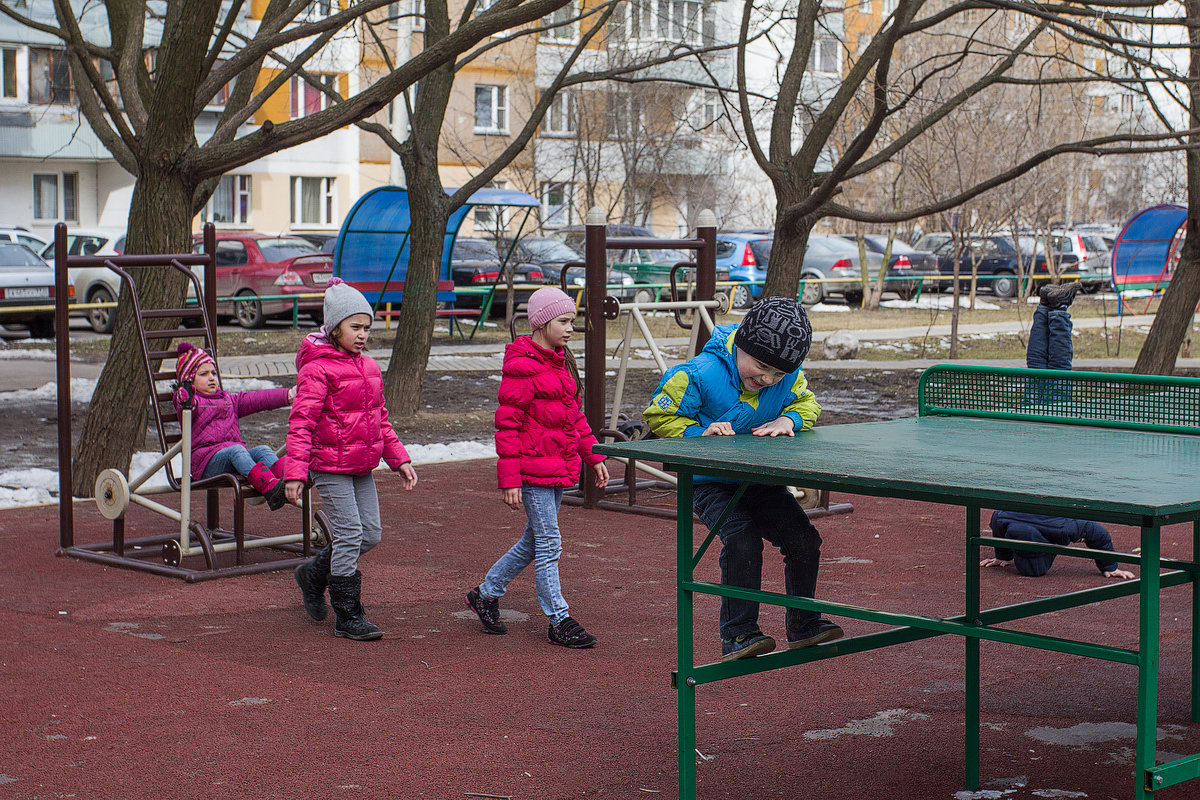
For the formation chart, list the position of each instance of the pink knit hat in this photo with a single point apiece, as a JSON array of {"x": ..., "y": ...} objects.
[
  {"x": 189, "y": 361},
  {"x": 548, "y": 303}
]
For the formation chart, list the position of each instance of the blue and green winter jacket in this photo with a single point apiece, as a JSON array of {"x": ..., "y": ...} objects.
[{"x": 707, "y": 389}]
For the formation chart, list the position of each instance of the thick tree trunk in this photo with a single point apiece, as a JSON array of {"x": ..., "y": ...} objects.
[
  {"x": 787, "y": 252},
  {"x": 160, "y": 217},
  {"x": 1173, "y": 321}
]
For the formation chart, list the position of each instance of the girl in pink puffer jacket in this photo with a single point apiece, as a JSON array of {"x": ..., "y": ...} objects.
[
  {"x": 337, "y": 433},
  {"x": 542, "y": 438}
]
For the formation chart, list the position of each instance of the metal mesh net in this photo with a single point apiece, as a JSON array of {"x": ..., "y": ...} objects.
[{"x": 1146, "y": 402}]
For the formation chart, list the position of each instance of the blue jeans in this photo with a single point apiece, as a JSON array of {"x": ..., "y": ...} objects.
[
  {"x": 352, "y": 503},
  {"x": 236, "y": 458},
  {"x": 765, "y": 513},
  {"x": 541, "y": 545},
  {"x": 1050, "y": 347},
  {"x": 1050, "y": 344}
]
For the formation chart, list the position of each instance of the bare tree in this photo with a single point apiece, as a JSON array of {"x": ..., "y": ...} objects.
[{"x": 145, "y": 72}]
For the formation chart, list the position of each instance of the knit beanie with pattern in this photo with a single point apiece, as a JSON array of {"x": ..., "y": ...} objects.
[
  {"x": 546, "y": 304},
  {"x": 343, "y": 300},
  {"x": 775, "y": 331},
  {"x": 190, "y": 359}
]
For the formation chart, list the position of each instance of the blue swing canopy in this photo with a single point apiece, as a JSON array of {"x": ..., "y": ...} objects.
[
  {"x": 373, "y": 245},
  {"x": 1148, "y": 246}
]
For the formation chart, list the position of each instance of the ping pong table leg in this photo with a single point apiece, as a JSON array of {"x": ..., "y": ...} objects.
[
  {"x": 1195, "y": 624},
  {"x": 971, "y": 742},
  {"x": 1148, "y": 628},
  {"x": 684, "y": 625}
]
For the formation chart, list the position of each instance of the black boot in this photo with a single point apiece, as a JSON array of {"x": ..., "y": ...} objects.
[
  {"x": 344, "y": 593},
  {"x": 313, "y": 577}
]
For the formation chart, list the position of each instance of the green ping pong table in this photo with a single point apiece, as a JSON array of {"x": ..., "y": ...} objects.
[{"x": 1113, "y": 448}]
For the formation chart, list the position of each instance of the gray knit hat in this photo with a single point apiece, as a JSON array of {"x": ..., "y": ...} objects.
[
  {"x": 776, "y": 331},
  {"x": 343, "y": 300}
]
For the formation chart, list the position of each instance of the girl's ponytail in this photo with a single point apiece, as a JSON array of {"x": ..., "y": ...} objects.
[{"x": 573, "y": 366}]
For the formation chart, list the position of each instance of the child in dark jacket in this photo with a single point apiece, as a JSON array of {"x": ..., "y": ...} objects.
[
  {"x": 542, "y": 440},
  {"x": 748, "y": 380},
  {"x": 1049, "y": 348},
  {"x": 217, "y": 445}
]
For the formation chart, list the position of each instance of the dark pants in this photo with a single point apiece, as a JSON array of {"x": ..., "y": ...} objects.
[
  {"x": 1050, "y": 345},
  {"x": 768, "y": 513}
]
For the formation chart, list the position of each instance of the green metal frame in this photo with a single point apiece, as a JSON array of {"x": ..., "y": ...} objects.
[{"x": 1001, "y": 395}]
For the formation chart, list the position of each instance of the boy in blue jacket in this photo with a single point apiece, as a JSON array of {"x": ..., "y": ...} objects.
[{"x": 748, "y": 380}]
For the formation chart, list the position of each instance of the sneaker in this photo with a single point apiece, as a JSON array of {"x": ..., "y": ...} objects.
[
  {"x": 814, "y": 632},
  {"x": 569, "y": 633},
  {"x": 746, "y": 646},
  {"x": 487, "y": 610},
  {"x": 1058, "y": 295}
]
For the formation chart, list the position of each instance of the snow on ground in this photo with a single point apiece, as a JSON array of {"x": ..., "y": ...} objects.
[{"x": 34, "y": 487}]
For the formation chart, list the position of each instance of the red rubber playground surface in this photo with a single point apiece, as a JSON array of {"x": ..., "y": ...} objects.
[{"x": 119, "y": 684}]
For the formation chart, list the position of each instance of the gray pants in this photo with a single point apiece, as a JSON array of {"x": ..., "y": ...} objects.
[{"x": 352, "y": 504}]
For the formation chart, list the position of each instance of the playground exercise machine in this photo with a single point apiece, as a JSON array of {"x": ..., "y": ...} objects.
[
  {"x": 1147, "y": 250},
  {"x": 600, "y": 308},
  {"x": 192, "y": 551}
]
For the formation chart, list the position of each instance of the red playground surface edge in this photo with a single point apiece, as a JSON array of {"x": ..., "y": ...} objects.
[{"x": 121, "y": 684}]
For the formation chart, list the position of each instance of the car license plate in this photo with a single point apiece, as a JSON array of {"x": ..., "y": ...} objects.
[
  {"x": 321, "y": 277},
  {"x": 41, "y": 291}
]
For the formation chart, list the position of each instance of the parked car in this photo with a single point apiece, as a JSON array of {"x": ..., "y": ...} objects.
[
  {"x": 905, "y": 261},
  {"x": 550, "y": 255},
  {"x": 1092, "y": 254},
  {"x": 20, "y": 235},
  {"x": 833, "y": 259},
  {"x": 646, "y": 265},
  {"x": 26, "y": 280},
  {"x": 998, "y": 262},
  {"x": 252, "y": 267},
  {"x": 318, "y": 240},
  {"x": 745, "y": 255},
  {"x": 94, "y": 284},
  {"x": 474, "y": 262}
]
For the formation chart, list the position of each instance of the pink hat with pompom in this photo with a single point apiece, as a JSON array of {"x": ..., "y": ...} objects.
[{"x": 189, "y": 361}]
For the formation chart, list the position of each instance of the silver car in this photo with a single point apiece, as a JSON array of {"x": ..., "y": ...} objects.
[
  {"x": 831, "y": 266},
  {"x": 26, "y": 280}
]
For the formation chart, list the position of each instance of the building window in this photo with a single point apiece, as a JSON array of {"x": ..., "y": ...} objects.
[
  {"x": 48, "y": 188},
  {"x": 683, "y": 21},
  {"x": 49, "y": 77},
  {"x": 889, "y": 7},
  {"x": 560, "y": 118},
  {"x": 707, "y": 109},
  {"x": 9, "y": 81},
  {"x": 564, "y": 23},
  {"x": 556, "y": 204},
  {"x": 491, "y": 109},
  {"x": 314, "y": 201},
  {"x": 413, "y": 9},
  {"x": 621, "y": 114},
  {"x": 230, "y": 203},
  {"x": 491, "y": 218},
  {"x": 824, "y": 55},
  {"x": 866, "y": 7},
  {"x": 319, "y": 9},
  {"x": 308, "y": 99}
]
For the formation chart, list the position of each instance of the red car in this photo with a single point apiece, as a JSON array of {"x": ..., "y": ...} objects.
[{"x": 257, "y": 269}]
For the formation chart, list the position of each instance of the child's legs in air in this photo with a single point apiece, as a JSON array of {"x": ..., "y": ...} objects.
[
  {"x": 541, "y": 507},
  {"x": 741, "y": 554},
  {"x": 234, "y": 458}
]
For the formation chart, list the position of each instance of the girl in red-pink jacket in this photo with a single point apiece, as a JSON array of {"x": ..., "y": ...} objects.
[
  {"x": 542, "y": 438},
  {"x": 337, "y": 433}
]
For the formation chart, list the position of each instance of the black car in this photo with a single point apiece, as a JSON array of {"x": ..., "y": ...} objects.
[
  {"x": 999, "y": 262},
  {"x": 906, "y": 260},
  {"x": 475, "y": 264}
]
